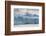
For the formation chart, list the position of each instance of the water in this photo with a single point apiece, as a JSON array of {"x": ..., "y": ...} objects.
[{"x": 27, "y": 25}]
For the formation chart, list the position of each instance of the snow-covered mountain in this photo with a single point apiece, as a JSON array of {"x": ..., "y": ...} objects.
[{"x": 26, "y": 19}]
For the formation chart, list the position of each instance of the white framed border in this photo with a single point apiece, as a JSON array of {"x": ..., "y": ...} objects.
[{"x": 25, "y": 28}]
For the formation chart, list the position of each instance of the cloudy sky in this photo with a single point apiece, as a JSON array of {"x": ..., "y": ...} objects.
[{"x": 24, "y": 10}]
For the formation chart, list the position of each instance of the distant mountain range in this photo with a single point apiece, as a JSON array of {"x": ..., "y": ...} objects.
[
  {"x": 28, "y": 15},
  {"x": 32, "y": 15}
]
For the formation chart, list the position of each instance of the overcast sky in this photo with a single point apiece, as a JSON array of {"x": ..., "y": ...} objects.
[{"x": 24, "y": 10}]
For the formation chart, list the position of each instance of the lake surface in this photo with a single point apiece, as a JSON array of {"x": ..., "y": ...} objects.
[{"x": 27, "y": 25}]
